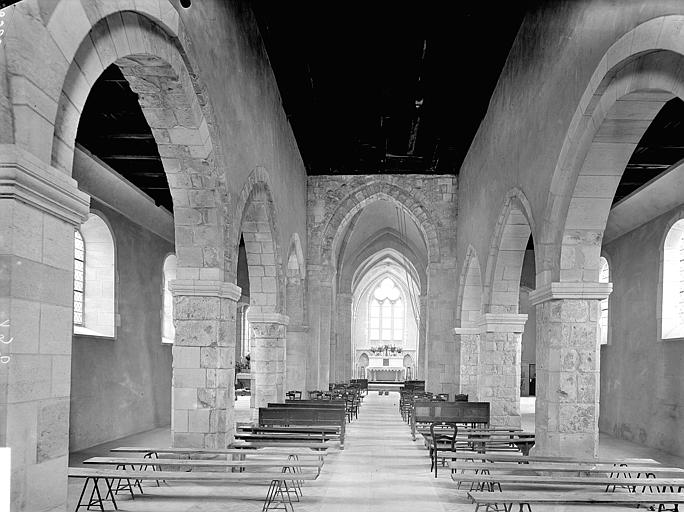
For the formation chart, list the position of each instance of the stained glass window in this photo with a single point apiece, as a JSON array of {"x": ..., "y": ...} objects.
[{"x": 79, "y": 277}]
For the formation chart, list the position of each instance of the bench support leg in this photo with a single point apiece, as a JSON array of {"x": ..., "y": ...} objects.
[{"x": 277, "y": 497}]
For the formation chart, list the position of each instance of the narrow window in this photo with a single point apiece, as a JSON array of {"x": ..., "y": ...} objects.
[
  {"x": 604, "y": 277},
  {"x": 79, "y": 276}
]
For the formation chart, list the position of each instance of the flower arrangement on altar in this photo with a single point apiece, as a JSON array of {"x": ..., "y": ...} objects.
[{"x": 386, "y": 350}]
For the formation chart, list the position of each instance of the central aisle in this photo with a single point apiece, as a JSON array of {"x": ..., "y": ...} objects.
[{"x": 381, "y": 468}]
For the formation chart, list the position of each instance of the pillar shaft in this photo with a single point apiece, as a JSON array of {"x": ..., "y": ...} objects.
[
  {"x": 342, "y": 371},
  {"x": 468, "y": 359},
  {"x": 422, "y": 338},
  {"x": 204, "y": 363},
  {"x": 499, "y": 366},
  {"x": 39, "y": 208},
  {"x": 267, "y": 359},
  {"x": 568, "y": 367}
]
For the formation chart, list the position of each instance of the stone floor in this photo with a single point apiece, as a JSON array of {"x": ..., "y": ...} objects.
[{"x": 381, "y": 469}]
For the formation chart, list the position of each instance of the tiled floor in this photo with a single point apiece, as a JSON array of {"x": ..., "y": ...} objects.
[{"x": 380, "y": 469}]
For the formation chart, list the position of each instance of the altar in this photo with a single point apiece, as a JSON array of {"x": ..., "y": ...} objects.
[{"x": 386, "y": 368}]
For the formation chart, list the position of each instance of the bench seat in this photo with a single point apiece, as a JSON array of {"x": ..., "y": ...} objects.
[
  {"x": 527, "y": 498},
  {"x": 278, "y": 494}
]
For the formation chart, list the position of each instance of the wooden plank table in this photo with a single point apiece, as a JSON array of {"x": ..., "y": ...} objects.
[
  {"x": 563, "y": 467},
  {"x": 521, "y": 498},
  {"x": 277, "y": 496},
  {"x": 511, "y": 457},
  {"x": 604, "y": 481}
]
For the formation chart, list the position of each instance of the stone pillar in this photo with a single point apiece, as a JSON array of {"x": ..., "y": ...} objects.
[
  {"x": 267, "y": 358},
  {"x": 204, "y": 363},
  {"x": 39, "y": 209},
  {"x": 568, "y": 378},
  {"x": 468, "y": 360},
  {"x": 499, "y": 363},
  {"x": 296, "y": 358},
  {"x": 320, "y": 302},
  {"x": 421, "y": 360},
  {"x": 342, "y": 371},
  {"x": 440, "y": 355}
]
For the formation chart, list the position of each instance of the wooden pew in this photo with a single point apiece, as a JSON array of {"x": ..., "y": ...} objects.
[
  {"x": 310, "y": 403},
  {"x": 307, "y": 416},
  {"x": 521, "y": 498},
  {"x": 473, "y": 413},
  {"x": 277, "y": 496}
]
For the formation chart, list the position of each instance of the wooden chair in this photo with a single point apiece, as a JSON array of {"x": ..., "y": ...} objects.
[
  {"x": 442, "y": 436},
  {"x": 443, "y": 396},
  {"x": 460, "y": 398}
]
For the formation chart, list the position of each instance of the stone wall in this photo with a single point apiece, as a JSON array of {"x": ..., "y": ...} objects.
[
  {"x": 641, "y": 375},
  {"x": 431, "y": 202}
]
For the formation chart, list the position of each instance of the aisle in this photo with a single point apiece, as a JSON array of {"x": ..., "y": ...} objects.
[{"x": 380, "y": 469}]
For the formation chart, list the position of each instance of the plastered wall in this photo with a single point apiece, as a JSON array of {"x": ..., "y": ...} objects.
[
  {"x": 642, "y": 383},
  {"x": 123, "y": 386}
]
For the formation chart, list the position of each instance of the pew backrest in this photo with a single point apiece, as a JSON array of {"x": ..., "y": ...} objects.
[{"x": 456, "y": 412}]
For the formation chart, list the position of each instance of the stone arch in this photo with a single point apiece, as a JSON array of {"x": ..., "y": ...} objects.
[
  {"x": 153, "y": 62},
  {"x": 257, "y": 211},
  {"x": 506, "y": 254},
  {"x": 362, "y": 196},
  {"x": 469, "y": 305},
  {"x": 633, "y": 80},
  {"x": 386, "y": 243},
  {"x": 58, "y": 35}
]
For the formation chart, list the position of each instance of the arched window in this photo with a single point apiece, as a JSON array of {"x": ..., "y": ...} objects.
[
  {"x": 386, "y": 313},
  {"x": 168, "y": 329},
  {"x": 79, "y": 277},
  {"x": 604, "y": 277},
  {"x": 673, "y": 282},
  {"x": 94, "y": 279}
]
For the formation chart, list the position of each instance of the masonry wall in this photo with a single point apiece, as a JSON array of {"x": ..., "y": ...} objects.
[
  {"x": 433, "y": 201},
  {"x": 642, "y": 383},
  {"x": 123, "y": 386},
  {"x": 518, "y": 143},
  {"x": 252, "y": 125}
]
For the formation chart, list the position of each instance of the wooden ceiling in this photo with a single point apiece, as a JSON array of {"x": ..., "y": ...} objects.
[
  {"x": 386, "y": 86},
  {"x": 113, "y": 128}
]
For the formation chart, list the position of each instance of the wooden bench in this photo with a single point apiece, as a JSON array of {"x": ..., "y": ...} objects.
[
  {"x": 489, "y": 481},
  {"x": 277, "y": 496},
  {"x": 329, "y": 431},
  {"x": 527, "y": 498},
  {"x": 563, "y": 467},
  {"x": 304, "y": 416},
  {"x": 525, "y": 459},
  {"x": 520, "y": 441},
  {"x": 472, "y": 413},
  {"x": 153, "y": 452}
]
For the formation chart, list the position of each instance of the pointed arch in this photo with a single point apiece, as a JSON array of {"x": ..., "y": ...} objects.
[{"x": 469, "y": 305}]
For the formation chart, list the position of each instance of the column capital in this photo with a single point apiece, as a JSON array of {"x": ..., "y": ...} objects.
[
  {"x": 25, "y": 178},
  {"x": 502, "y": 322},
  {"x": 466, "y": 330},
  {"x": 570, "y": 290},
  {"x": 267, "y": 318},
  {"x": 297, "y": 328},
  {"x": 205, "y": 288}
]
